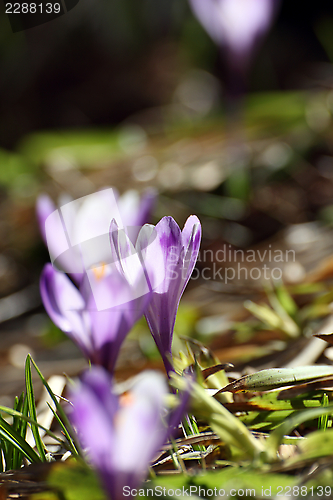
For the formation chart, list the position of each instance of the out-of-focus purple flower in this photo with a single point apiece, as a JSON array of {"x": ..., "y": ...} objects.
[
  {"x": 44, "y": 208},
  {"x": 123, "y": 434},
  {"x": 136, "y": 211},
  {"x": 99, "y": 315},
  {"x": 238, "y": 25},
  {"x": 77, "y": 235},
  {"x": 169, "y": 256}
]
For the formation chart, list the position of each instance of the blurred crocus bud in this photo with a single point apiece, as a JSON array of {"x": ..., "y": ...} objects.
[{"x": 236, "y": 25}]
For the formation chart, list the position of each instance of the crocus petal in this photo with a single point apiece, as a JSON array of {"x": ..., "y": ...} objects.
[
  {"x": 125, "y": 254},
  {"x": 77, "y": 235},
  {"x": 140, "y": 422},
  {"x": 93, "y": 413},
  {"x": 129, "y": 264},
  {"x": 151, "y": 255},
  {"x": 64, "y": 304},
  {"x": 191, "y": 237},
  {"x": 108, "y": 288},
  {"x": 113, "y": 309},
  {"x": 146, "y": 207},
  {"x": 94, "y": 215},
  {"x": 206, "y": 12},
  {"x": 109, "y": 329},
  {"x": 236, "y": 24},
  {"x": 135, "y": 212},
  {"x": 161, "y": 257},
  {"x": 44, "y": 208},
  {"x": 55, "y": 236},
  {"x": 91, "y": 229},
  {"x": 128, "y": 205},
  {"x": 160, "y": 254},
  {"x": 123, "y": 436},
  {"x": 169, "y": 256},
  {"x": 243, "y": 21},
  {"x": 139, "y": 428},
  {"x": 110, "y": 326},
  {"x": 114, "y": 291}
]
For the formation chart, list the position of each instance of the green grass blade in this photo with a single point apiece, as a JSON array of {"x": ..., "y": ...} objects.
[
  {"x": 191, "y": 429},
  {"x": 10, "y": 436},
  {"x": 298, "y": 418},
  {"x": 10, "y": 457},
  {"x": 32, "y": 422},
  {"x": 65, "y": 431},
  {"x": 323, "y": 420},
  {"x": 318, "y": 444},
  {"x": 4, "y": 452},
  {"x": 286, "y": 300},
  {"x": 17, "y": 424},
  {"x": 24, "y": 421},
  {"x": 270, "y": 401},
  {"x": 32, "y": 409},
  {"x": 59, "y": 408},
  {"x": 273, "y": 378},
  {"x": 2, "y": 458}
]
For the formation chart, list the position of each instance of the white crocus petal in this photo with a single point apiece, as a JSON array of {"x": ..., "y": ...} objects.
[
  {"x": 206, "y": 12},
  {"x": 236, "y": 24},
  {"x": 91, "y": 229},
  {"x": 55, "y": 234},
  {"x": 128, "y": 206},
  {"x": 191, "y": 236},
  {"x": 242, "y": 20},
  {"x": 56, "y": 238},
  {"x": 152, "y": 257},
  {"x": 125, "y": 253},
  {"x": 139, "y": 425},
  {"x": 128, "y": 262},
  {"x": 44, "y": 208}
]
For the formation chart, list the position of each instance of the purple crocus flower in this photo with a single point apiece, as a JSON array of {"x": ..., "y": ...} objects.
[
  {"x": 169, "y": 256},
  {"x": 99, "y": 315},
  {"x": 77, "y": 234},
  {"x": 122, "y": 434}
]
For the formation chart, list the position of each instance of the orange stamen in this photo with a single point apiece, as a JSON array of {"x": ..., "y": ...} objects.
[{"x": 99, "y": 271}]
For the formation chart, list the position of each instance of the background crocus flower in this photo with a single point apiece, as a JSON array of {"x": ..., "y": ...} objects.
[
  {"x": 237, "y": 26},
  {"x": 99, "y": 315},
  {"x": 77, "y": 234},
  {"x": 135, "y": 211},
  {"x": 169, "y": 256},
  {"x": 122, "y": 435},
  {"x": 68, "y": 259}
]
